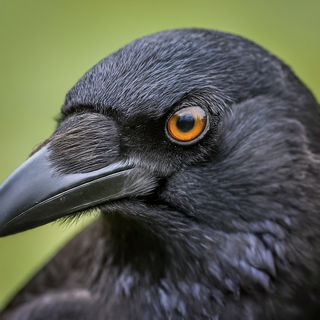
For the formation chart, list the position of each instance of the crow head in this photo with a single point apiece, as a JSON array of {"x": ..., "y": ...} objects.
[{"x": 201, "y": 151}]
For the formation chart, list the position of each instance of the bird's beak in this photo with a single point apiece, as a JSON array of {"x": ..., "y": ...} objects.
[{"x": 36, "y": 194}]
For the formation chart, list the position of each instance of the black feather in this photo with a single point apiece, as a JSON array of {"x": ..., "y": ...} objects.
[{"x": 229, "y": 228}]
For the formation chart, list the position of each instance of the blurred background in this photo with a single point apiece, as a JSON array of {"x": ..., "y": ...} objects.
[{"x": 46, "y": 46}]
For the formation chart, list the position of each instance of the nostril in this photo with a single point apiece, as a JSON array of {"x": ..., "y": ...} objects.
[{"x": 83, "y": 143}]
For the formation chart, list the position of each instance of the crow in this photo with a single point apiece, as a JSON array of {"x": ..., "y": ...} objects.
[{"x": 200, "y": 150}]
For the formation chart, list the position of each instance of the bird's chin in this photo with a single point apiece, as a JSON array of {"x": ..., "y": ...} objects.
[{"x": 153, "y": 212}]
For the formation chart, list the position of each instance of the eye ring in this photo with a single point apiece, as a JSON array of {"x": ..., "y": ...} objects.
[{"x": 187, "y": 125}]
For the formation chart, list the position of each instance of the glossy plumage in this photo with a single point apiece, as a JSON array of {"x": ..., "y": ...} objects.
[{"x": 227, "y": 227}]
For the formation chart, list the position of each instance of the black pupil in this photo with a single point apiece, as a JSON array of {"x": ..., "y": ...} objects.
[{"x": 185, "y": 122}]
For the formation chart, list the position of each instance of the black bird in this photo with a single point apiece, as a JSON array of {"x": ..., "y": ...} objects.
[{"x": 201, "y": 151}]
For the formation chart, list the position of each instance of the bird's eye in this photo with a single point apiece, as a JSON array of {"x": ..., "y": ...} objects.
[{"x": 187, "y": 124}]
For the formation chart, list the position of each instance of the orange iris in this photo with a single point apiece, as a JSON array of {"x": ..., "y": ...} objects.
[{"x": 187, "y": 123}]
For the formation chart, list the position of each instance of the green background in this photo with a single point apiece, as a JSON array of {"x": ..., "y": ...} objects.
[{"x": 46, "y": 46}]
